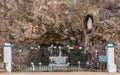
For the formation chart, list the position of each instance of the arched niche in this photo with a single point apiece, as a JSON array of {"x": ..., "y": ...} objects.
[{"x": 88, "y": 24}]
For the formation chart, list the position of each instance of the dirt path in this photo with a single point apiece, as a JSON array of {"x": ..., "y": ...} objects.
[{"x": 60, "y": 73}]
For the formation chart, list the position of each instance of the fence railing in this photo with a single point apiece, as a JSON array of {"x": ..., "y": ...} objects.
[{"x": 56, "y": 69}]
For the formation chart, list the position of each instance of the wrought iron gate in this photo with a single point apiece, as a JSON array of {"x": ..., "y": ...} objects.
[{"x": 91, "y": 62}]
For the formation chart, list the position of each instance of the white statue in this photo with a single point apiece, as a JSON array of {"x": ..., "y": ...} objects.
[{"x": 89, "y": 23}]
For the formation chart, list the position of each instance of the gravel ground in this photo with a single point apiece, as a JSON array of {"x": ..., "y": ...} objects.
[{"x": 60, "y": 73}]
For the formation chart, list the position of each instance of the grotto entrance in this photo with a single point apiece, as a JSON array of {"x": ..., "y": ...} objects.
[{"x": 77, "y": 52}]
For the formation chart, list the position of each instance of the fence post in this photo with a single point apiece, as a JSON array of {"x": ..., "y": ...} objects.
[
  {"x": 68, "y": 66},
  {"x": 78, "y": 65}
]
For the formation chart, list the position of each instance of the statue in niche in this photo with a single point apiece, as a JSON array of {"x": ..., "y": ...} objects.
[{"x": 88, "y": 25}]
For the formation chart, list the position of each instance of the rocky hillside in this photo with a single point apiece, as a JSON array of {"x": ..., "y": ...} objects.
[{"x": 34, "y": 22}]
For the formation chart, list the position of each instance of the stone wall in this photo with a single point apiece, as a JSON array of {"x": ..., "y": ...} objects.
[{"x": 34, "y": 22}]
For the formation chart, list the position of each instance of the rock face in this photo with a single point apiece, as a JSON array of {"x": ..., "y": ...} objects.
[{"x": 35, "y": 22}]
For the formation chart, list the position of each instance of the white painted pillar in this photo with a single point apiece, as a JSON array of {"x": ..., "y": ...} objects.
[
  {"x": 8, "y": 56},
  {"x": 111, "y": 67}
]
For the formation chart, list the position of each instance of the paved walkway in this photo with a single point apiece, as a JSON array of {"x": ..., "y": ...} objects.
[{"x": 60, "y": 73}]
